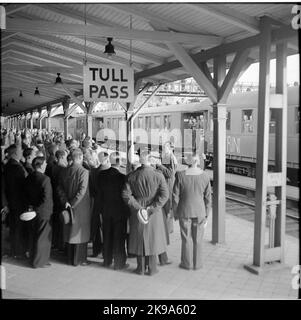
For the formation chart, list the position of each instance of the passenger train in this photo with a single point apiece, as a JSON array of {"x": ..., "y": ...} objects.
[{"x": 195, "y": 122}]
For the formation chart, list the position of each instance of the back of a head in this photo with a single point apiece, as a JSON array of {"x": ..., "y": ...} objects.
[
  {"x": 60, "y": 154},
  {"x": 115, "y": 159},
  {"x": 193, "y": 159},
  {"x": 11, "y": 150},
  {"x": 145, "y": 157},
  {"x": 37, "y": 162},
  {"x": 27, "y": 152},
  {"x": 103, "y": 157},
  {"x": 76, "y": 155}
]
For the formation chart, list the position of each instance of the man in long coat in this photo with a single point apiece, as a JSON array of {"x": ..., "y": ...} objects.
[
  {"x": 146, "y": 188},
  {"x": 57, "y": 171},
  {"x": 74, "y": 193},
  {"x": 168, "y": 168},
  {"x": 110, "y": 183},
  {"x": 38, "y": 193},
  {"x": 14, "y": 179}
]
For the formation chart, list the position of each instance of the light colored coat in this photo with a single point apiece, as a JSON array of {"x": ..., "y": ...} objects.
[
  {"x": 73, "y": 188},
  {"x": 146, "y": 187},
  {"x": 192, "y": 194}
]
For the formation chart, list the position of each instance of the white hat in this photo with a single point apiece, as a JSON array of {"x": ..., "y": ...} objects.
[{"x": 142, "y": 216}]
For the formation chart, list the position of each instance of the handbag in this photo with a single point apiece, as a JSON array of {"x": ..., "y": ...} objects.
[{"x": 67, "y": 216}]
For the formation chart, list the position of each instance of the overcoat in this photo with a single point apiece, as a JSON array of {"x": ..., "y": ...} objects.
[
  {"x": 110, "y": 183},
  {"x": 38, "y": 191},
  {"x": 146, "y": 187},
  {"x": 73, "y": 188},
  {"x": 168, "y": 168},
  {"x": 14, "y": 179}
]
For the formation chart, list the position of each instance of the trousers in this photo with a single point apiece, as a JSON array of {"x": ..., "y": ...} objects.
[{"x": 192, "y": 233}]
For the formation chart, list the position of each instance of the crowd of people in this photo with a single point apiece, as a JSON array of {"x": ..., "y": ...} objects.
[{"x": 79, "y": 196}]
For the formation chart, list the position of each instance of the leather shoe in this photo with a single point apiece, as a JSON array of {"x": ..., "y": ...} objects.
[
  {"x": 151, "y": 273},
  {"x": 165, "y": 263},
  {"x": 138, "y": 271},
  {"x": 105, "y": 265},
  {"x": 47, "y": 265},
  {"x": 85, "y": 263},
  {"x": 125, "y": 266},
  {"x": 183, "y": 267}
]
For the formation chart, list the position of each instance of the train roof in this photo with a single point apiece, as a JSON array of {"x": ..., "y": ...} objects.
[{"x": 247, "y": 99}]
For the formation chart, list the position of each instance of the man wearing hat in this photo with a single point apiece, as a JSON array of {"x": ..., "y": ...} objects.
[
  {"x": 14, "y": 179},
  {"x": 74, "y": 192},
  {"x": 114, "y": 213},
  {"x": 38, "y": 192},
  {"x": 146, "y": 189}
]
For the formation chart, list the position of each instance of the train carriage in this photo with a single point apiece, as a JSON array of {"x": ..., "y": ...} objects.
[{"x": 190, "y": 127}]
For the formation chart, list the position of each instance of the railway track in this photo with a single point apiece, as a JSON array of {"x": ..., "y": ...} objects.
[{"x": 245, "y": 208}]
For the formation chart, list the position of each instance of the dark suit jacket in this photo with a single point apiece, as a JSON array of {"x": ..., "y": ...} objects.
[
  {"x": 110, "y": 184},
  {"x": 14, "y": 179},
  {"x": 38, "y": 193}
]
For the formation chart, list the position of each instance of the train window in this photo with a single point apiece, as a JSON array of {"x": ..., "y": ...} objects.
[
  {"x": 228, "y": 121},
  {"x": 297, "y": 119},
  {"x": 148, "y": 124},
  {"x": 136, "y": 123},
  {"x": 157, "y": 122},
  {"x": 211, "y": 121},
  {"x": 115, "y": 123},
  {"x": 272, "y": 120},
  {"x": 247, "y": 121},
  {"x": 140, "y": 122},
  {"x": 167, "y": 120}
]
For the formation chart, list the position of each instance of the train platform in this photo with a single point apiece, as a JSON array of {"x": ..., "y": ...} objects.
[{"x": 222, "y": 277}]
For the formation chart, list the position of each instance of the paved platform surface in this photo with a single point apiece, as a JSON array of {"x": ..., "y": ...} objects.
[{"x": 222, "y": 277}]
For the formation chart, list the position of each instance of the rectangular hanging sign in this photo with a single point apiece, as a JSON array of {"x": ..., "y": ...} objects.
[{"x": 108, "y": 83}]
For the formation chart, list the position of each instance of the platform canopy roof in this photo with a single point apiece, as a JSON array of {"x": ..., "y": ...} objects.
[{"x": 43, "y": 39}]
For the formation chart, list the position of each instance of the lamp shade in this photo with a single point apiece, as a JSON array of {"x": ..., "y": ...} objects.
[
  {"x": 37, "y": 92},
  {"x": 109, "y": 48}
]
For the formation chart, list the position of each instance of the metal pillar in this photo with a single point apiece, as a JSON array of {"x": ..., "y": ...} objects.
[
  {"x": 219, "y": 159},
  {"x": 31, "y": 121},
  {"x": 219, "y": 169},
  {"x": 89, "y": 122},
  {"x": 129, "y": 140},
  {"x": 65, "y": 104},
  {"x": 25, "y": 122},
  {"x": 281, "y": 147},
  {"x": 48, "y": 122},
  {"x": 264, "y": 179}
]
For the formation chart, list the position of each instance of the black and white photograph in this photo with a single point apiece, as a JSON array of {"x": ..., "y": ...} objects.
[{"x": 150, "y": 152}]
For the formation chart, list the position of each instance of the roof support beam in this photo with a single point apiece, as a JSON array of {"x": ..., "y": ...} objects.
[
  {"x": 232, "y": 75},
  {"x": 13, "y": 8},
  {"x": 229, "y": 15},
  {"x": 152, "y": 18},
  {"x": 278, "y": 35},
  {"x": 50, "y": 28},
  {"x": 98, "y": 54},
  {"x": 194, "y": 70},
  {"x": 43, "y": 69},
  {"x": 74, "y": 98},
  {"x": 75, "y": 15}
]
